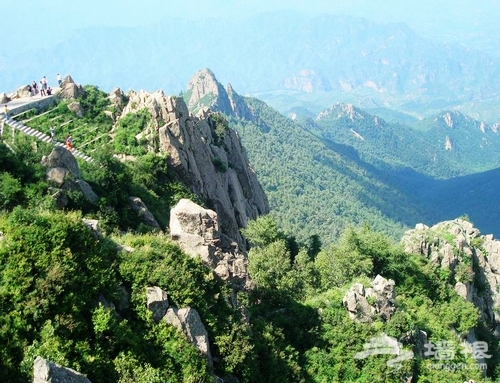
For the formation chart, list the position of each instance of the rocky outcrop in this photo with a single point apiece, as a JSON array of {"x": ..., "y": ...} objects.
[
  {"x": 472, "y": 259},
  {"x": 189, "y": 322},
  {"x": 4, "y": 99},
  {"x": 377, "y": 301},
  {"x": 143, "y": 213},
  {"x": 70, "y": 90},
  {"x": 63, "y": 172},
  {"x": 196, "y": 230},
  {"x": 206, "y": 155},
  {"x": 157, "y": 302},
  {"x": 21, "y": 92},
  {"x": 45, "y": 371},
  {"x": 76, "y": 108},
  {"x": 204, "y": 90},
  {"x": 117, "y": 98}
]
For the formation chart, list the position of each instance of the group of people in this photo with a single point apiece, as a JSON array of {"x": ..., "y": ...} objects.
[{"x": 42, "y": 87}]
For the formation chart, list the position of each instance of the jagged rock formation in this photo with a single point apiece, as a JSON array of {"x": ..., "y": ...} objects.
[
  {"x": 472, "y": 259},
  {"x": 204, "y": 90},
  {"x": 4, "y": 99},
  {"x": 196, "y": 230},
  {"x": 213, "y": 163},
  {"x": 19, "y": 93},
  {"x": 63, "y": 172},
  {"x": 376, "y": 301},
  {"x": 118, "y": 100},
  {"x": 45, "y": 371},
  {"x": 70, "y": 90}
]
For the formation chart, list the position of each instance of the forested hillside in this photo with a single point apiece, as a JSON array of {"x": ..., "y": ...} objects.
[
  {"x": 76, "y": 272},
  {"x": 347, "y": 168}
]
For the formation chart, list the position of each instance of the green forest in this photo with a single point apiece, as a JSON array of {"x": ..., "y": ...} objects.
[{"x": 78, "y": 298}]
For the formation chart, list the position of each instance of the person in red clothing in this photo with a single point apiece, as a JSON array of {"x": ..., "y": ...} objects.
[{"x": 69, "y": 143}]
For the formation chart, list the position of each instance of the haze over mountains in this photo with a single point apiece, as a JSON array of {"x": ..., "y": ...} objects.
[{"x": 282, "y": 57}]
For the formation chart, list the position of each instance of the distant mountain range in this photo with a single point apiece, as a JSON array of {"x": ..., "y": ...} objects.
[
  {"x": 346, "y": 167},
  {"x": 283, "y": 58}
]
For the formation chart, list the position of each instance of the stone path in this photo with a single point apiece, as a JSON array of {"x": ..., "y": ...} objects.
[{"x": 39, "y": 135}]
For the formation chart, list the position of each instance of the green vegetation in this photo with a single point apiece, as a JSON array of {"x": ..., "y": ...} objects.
[
  {"x": 315, "y": 187},
  {"x": 78, "y": 298}
]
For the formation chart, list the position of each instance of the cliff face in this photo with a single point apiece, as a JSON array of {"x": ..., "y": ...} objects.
[{"x": 207, "y": 155}]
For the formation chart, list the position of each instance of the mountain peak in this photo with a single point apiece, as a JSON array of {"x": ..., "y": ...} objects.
[
  {"x": 343, "y": 110},
  {"x": 204, "y": 91}
]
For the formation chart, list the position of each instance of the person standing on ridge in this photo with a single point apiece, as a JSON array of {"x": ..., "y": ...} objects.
[
  {"x": 6, "y": 111},
  {"x": 42, "y": 89},
  {"x": 59, "y": 80}
]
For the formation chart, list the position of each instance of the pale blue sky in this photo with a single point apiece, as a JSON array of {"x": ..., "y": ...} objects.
[
  {"x": 47, "y": 14},
  {"x": 28, "y": 24}
]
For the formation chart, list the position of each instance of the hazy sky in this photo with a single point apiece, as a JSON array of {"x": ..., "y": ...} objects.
[{"x": 45, "y": 15}]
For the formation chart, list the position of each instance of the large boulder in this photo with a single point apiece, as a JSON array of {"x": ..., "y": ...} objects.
[
  {"x": 45, "y": 371},
  {"x": 4, "y": 99},
  {"x": 196, "y": 230},
  {"x": 77, "y": 109},
  {"x": 63, "y": 172}
]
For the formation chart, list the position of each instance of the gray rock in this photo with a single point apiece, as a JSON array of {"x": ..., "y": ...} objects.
[
  {"x": 143, "y": 212},
  {"x": 64, "y": 173},
  {"x": 87, "y": 191},
  {"x": 117, "y": 97},
  {"x": 189, "y": 322},
  {"x": 61, "y": 157},
  {"x": 364, "y": 304},
  {"x": 216, "y": 169},
  {"x": 45, "y": 371},
  {"x": 76, "y": 108},
  {"x": 70, "y": 90},
  {"x": 462, "y": 252},
  {"x": 93, "y": 224},
  {"x": 4, "y": 99},
  {"x": 196, "y": 230},
  {"x": 157, "y": 302},
  {"x": 58, "y": 175}
]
